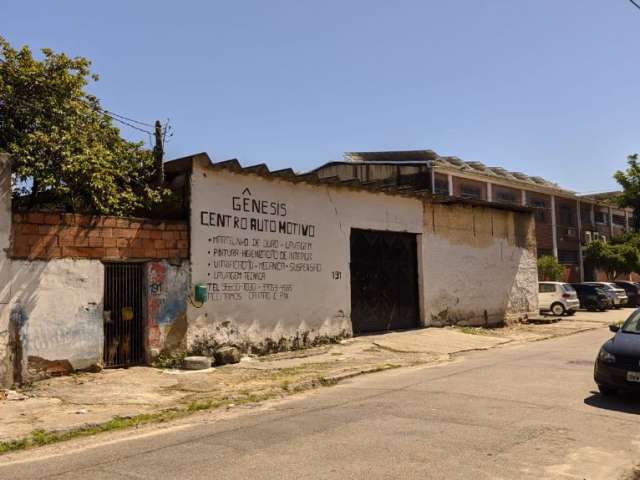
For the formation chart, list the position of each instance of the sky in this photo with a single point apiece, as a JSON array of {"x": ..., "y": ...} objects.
[{"x": 546, "y": 87}]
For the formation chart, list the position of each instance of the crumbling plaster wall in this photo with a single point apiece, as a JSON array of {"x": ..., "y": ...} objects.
[
  {"x": 479, "y": 265},
  {"x": 6, "y": 357},
  {"x": 310, "y": 296},
  {"x": 59, "y": 303}
]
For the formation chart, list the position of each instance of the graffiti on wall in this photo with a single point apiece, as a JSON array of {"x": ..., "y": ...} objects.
[{"x": 167, "y": 291}]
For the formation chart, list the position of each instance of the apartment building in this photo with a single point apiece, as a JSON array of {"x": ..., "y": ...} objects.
[{"x": 565, "y": 220}]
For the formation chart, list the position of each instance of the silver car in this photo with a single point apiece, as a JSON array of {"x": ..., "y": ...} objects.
[{"x": 617, "y": 295}]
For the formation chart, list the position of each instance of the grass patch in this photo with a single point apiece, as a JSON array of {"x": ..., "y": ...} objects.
[{"x": 38, "y": 438}]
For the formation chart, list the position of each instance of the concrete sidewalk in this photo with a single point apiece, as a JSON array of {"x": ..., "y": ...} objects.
[{"x": 68, "y": 403}]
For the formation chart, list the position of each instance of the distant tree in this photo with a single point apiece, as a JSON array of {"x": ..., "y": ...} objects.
[
  {"x": 629, "y": 180},
  {"x": 549, "y": 269},
  {"x": 65, "y": 149},
  {"x": 613, "y": 259}
]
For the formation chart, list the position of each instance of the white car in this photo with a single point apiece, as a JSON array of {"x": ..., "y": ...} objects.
[
  {"x": 558, "y": 298},
  {"x": 617, "y": 295}
]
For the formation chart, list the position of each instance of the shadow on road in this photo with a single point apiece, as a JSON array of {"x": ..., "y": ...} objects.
[{"x": 623, "y": 402}]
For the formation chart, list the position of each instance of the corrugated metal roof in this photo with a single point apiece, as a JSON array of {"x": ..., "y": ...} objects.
[
  {"x": 451, "y": 162},
  {"x": 233, "y": 165}
]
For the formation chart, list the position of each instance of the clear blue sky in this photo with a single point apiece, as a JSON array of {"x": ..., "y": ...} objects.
[{"x": 548, "y": 87}]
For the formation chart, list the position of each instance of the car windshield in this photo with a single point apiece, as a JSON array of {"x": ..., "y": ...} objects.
[
  {"x": 568, "y": 288},
  {"x": 632, "y": 325}
]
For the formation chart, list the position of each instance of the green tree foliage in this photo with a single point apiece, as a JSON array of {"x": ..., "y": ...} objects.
[
  {"x": 629, "y": 180},
  {"x": 614, "y": 259},
  {"x": 549, "y": 269},
  {"x": 65, "y": 149}
]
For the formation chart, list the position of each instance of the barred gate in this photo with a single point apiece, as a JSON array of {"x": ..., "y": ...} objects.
[{"x": 123, "y": 314}]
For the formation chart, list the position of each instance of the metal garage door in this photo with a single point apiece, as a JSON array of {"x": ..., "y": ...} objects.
[{"x": 384, "y": 281}]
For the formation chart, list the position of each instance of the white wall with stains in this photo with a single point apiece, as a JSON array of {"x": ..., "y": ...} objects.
[
  {"x": 251, "y": 297},
  {"x": 60, "y": 305},
  {"x": 479, "y": 266},
  {"x": 6, "y": 360},
  {"x": 52, "y": 308},
  {"x": 266, "y": 284}
]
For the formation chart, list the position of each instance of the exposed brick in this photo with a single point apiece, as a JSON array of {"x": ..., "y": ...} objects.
[
  {"x": 122, "y": 243},
  {"x": 123, "y": 233},
  {"x": 96, "y": 242},
  {"x": 110, "y": 242},
  {"x": 156, "y": 234},
  {"x": 183, "y": 244},
  {"x": 35, "y": 217},
  {"x": 48, "y": 229},
  {"x": 98, "y": 253},
  {"x": 27, "y": 228},
  {"x": 148, "y": 244},
  {"x": 174, "y": 226},
  {"x": 163, "y": 253},
  {"x": 137, "y": 243},
  {"x": 183, "y": 253},
  {"x": 94, "y": 232},
  {"x": 159, "y": 244},
  {"x": 52, "y": 218},
  {"x": 169, "y": 235},
  {"x": 76, "y": 252},
  {"x": 184, "y": 235},
  {"x": 112, "y": 253},
  {"x": 173, "y": 253},
  {"x": 171, "y": 244},
  {"x": 109, "y": 222},
  {"x": 18, "y": 218},
  {"x": 122, "y": 223},
  {"x": 135, "y": 224},
  {"x": 137, "y": 253}
]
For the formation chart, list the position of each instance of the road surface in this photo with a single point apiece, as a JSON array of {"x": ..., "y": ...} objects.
[{"x": 522, "y": 411}]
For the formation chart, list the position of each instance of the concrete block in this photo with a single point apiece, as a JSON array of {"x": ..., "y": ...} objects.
[{"x": 196, "y": 363}]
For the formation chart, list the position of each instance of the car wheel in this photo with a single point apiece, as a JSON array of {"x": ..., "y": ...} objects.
[
  {"x": 606, "y": 390},
  {"x": 558, "y": 309}
]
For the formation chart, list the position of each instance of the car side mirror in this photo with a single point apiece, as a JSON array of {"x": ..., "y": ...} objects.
[{"x": 614, "y": 328}]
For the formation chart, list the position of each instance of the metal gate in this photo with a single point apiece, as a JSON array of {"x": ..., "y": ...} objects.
[
  {"x": 384, "y": 281},
  {"x": 123, "y": 314}
]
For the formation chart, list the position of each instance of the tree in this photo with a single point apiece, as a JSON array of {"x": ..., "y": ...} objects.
[
  {"x": 65, "y": 149},
  {"x": 613, "y": 259},
  {"x": 629, "y": 180},
  {"x": 549, "y": 269}
]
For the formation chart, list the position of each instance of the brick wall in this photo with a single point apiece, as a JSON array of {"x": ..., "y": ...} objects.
[{"x": 39, "y": 235}]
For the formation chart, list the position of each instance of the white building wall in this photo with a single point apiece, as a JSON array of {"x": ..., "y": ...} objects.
[
  {"x": 6, "y": 371},
  {"x": 479, "y": 266},
  {"x": 460, "y": 278},
  {"x": 49, "y": 310},
  {"x": 249, "y": 302}
]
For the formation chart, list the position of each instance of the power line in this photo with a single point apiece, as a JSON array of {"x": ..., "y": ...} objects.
[{"x": 635, "y": 4}]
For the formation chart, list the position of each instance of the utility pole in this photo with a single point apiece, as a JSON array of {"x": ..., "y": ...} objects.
[{"x": 158, "y": 154}]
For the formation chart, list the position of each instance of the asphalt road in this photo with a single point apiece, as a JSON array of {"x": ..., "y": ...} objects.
[{"x": 528, "y": 411}]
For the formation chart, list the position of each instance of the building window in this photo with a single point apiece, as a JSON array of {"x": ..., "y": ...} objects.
[
  {"x": 602, "y": 217},
  {"x": 442, "y": 186},
  {"x": 619, "y": 220},
  {"x": 505, "y": 197},
  {"x": 568, "y": 257},
  {"x": 470, "y": 191},
  {"x": 540, "y": 213},
  {"x": 585, "y": 216},
  {"x": 566, "y": 215}
]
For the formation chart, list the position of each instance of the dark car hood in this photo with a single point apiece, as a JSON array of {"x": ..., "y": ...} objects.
[{"x": 627, "y": 344}]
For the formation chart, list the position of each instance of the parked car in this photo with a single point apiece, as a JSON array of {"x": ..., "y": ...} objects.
[
  {"x": 618, "y": 296},
  {"x": 558, "y": 298},
  {"x": 618, "y": 364},
  {"x": 632, "y": 290},
  {"x": 591, "y": 297}
]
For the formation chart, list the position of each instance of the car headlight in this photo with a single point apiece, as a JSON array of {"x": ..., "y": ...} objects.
[{"x": 606, "y": 357}]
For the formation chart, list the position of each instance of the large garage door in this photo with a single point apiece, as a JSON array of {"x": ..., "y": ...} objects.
[{"x": 384, "y": 281}]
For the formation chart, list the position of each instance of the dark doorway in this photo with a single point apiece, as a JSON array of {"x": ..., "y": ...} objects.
[
  {"x": 384, "y": 281},
  {"x": 123, "y": 314}
]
